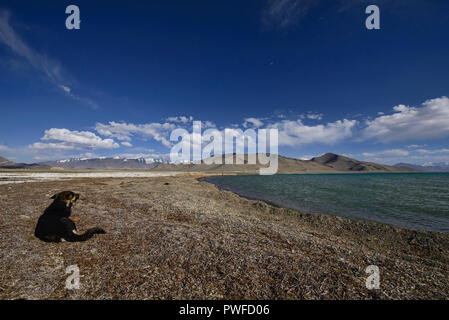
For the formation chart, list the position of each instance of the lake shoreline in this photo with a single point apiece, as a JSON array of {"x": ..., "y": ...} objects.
[
  {"x": 180, "y": 238},
  {"x": 368, "y": 203}
]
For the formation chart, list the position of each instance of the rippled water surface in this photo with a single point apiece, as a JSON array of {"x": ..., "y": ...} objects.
[{"x": 411, "y": 200}]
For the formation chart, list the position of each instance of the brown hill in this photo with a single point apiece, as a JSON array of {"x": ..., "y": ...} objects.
[
  {"x": 328, "y": 163},
  {"x": 7, "y": 164},
  {"x": 341, "y": 163}
]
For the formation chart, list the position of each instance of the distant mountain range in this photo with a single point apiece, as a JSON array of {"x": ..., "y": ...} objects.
[
  {"x": 328, "y": 163},
  {"x": 434, "y": 167},
  {"x": 107, "y": 163},
  {"x": 6, "y": 164}
]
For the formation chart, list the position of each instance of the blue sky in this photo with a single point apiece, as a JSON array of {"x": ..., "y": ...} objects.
[{"x": 138, "y": 69}]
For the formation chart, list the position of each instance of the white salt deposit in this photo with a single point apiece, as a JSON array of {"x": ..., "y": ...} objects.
[{"x": 21, "y": 177}]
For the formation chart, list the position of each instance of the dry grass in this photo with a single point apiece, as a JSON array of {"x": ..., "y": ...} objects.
[{"x": 188, "y": 240}]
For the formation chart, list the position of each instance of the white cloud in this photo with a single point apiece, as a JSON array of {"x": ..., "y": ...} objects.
[
  {"x": 49, "y": 67},
  {"x": 207, "y": 124},
  {"x": 126, "y": 144},
  {"x": 388, "y": 153},
  {"x": 158, "y": 131},
  {"x": 295, "y": 133},
  {"x": 417, "y": 156},
  {"x": 12, "y": 40},
  {"x": 124, "y": 131},
  {"x": 429, "y": 121},
  {"x": 5, "y": 148},
  {"x": 430, "y": 159},
  {"x": 314, "y": 116},
  {"x": 65, "y": 89},
  {"x": 183, "y": 120},
  {"x": 64, "y": 139},
  {"x": 52, "y": 145},
  {"x": 425, "y": 151},
  {"x": 255, "y": 122},
  {"x": 180, "y": 119},
  {"x": 285, "y": 13}
]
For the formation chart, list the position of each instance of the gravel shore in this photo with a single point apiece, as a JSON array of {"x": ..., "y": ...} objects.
[{"x": 180, "y": 238}]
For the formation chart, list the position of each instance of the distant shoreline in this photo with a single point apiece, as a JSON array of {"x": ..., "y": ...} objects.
[{"x": 25, "y": 175}]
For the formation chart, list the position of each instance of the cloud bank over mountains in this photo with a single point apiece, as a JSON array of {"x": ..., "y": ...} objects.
[{"x": 403, "y": 124}]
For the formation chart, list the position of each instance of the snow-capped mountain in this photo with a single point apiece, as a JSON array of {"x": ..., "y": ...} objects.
[{"x": 105, "y": 163}]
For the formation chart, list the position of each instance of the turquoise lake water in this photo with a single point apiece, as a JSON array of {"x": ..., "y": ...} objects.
[{"x": 410, "y": 200}]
